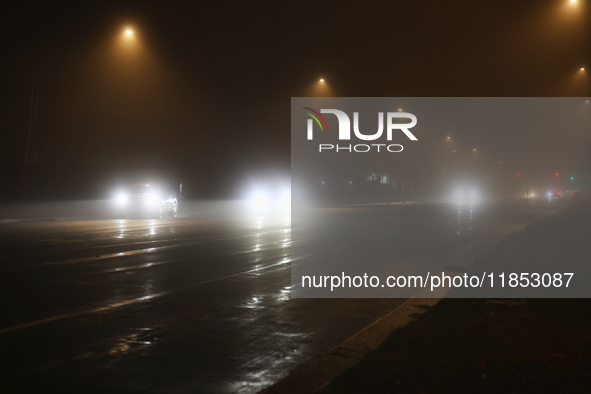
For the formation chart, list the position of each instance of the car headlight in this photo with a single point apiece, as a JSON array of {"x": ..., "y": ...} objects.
[
  {"x": 153, "y": 198},
  {"x": 260, "y": 201},
  {"x": 286, "y": 200},
  {"x": 121, "y": 198}
]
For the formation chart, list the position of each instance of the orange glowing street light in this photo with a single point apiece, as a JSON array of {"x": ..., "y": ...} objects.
[{"x": 128, "y": 35}]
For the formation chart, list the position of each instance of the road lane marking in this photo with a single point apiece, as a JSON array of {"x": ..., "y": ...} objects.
[
  {"x": 158, "y": 263},
  {"x": 86, "y": 248},
  {"x": 95, "y": 310},
  {"x": 133, "y": 267},
  {"x": 77, "y": 282},
  {"x": 93, "y": 258},
  {"x": 135, "y": 252},
  {"x": 145, "y": 298}
]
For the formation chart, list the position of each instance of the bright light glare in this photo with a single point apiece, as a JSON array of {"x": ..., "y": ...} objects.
[
  {"x": 260, "y": 201},
  {"x": 129, "y": 32},
  {"x": 286, "y": 201},
  {"x": 121, "y": 198},
  {"x": 321, "y": 79},
  {"x": 582, "y": 68},
  {"x": 153, "y": 197},
  {"x": 461, "y": 196}
]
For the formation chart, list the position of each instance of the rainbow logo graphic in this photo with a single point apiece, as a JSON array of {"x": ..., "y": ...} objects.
[{"x": 315, "y": 117}]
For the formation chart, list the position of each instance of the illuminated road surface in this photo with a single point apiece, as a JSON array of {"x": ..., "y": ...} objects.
[{"x": 198, "y": 304}]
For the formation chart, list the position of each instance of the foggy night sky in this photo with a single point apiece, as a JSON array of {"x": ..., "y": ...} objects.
[{"x": 203, "y": 94}]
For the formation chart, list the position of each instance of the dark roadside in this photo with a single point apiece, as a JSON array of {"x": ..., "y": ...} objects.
[{"x": 496, "y": 345}]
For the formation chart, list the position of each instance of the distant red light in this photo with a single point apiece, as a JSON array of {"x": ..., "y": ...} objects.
[
  {"x": 556, "y": 174},
  {"x": 517, "y": 174}
]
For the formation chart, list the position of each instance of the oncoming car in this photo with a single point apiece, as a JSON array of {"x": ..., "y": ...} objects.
[
  {"x": 267, "y": 193},
  {"x": 148, "y": 199},
  {"x": 466, "y": 195}
]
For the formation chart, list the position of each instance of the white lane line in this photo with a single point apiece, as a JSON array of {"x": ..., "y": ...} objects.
[
  {"x": 123, "y": 244},
  {"x": 134, "y": 252},
  {"x": 78, "y": 282},
  {"x": 133, "y": 267},
  {"x": 149, "y": 297},
  {"x": 156, "y": 264},
  {"x": 88, "y": 247},
  {"x": 93, "y": 258}
]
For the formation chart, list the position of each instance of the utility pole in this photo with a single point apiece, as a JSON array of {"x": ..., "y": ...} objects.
[{"x": 29, "y": 133}]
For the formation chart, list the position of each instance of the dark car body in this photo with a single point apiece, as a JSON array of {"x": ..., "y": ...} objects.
[{"x": 577, "y": 195}]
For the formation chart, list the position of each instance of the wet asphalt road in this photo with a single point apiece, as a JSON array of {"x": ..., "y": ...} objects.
[{"x": 199, "y": 304}]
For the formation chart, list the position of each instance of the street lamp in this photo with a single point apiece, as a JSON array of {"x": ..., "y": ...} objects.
[
  {"x": 321, "y": 88},
  {"x": 128, "y": 35}
]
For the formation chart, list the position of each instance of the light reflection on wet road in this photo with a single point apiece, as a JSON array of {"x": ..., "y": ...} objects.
[{"x": 200, "y": 305}]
